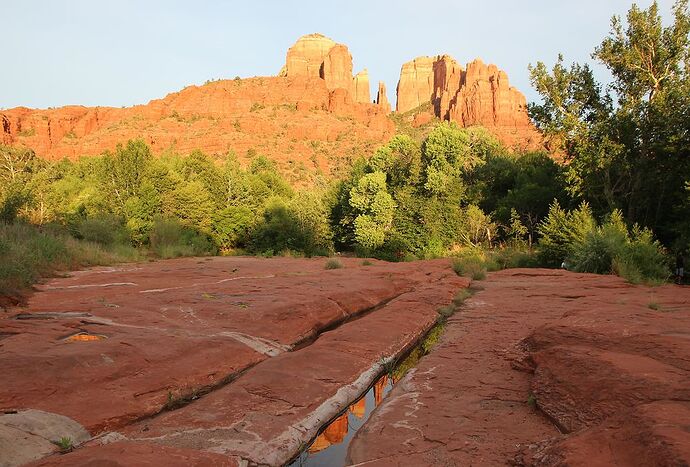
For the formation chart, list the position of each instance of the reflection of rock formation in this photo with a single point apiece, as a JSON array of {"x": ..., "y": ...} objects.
[
  {"x": 359, "y": 408},
  {"x": 334, "y": 433},
  {"x": 337, "y": 430},
  {"x": 379, "y": 389}
]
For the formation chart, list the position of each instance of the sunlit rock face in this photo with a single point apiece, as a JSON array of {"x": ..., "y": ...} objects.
[
  {"x": 382, "y": 98},
  {"x": 305, "y": 58},
  {"x": 361, "y": 88},
  {"x": 277, "y": 116},
  {"x": 479, "y": 94}
]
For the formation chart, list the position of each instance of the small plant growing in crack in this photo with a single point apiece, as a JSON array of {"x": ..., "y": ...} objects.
[
  {"x": 65, "y": 444},
  {"x": 388, "y": 364},
  {"x": 532, "y": 401},
  {"x": 333, "y": 264},
  {"x": 171, "y": 401},
  {"x": 445, "y": 312}
]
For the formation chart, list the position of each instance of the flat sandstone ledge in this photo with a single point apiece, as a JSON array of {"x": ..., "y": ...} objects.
[
  {"x": 302, "y": 388},
  {"x": 545, "y": 368}
]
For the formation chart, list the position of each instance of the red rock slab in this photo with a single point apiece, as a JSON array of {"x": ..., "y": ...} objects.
[
  {"x": 463, "y": 404},
  {"x": 128, "y": 453},
  {"x": 620, "y": 351},
  {"x": 172, "y": 329},
  {"x": 606, "y": 368},
  {"x": 647, "y": 434},
  {"x": 272, "y": 410}
]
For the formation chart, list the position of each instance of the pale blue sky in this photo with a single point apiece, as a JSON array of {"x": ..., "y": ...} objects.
[{"x": 128, "y": 52}]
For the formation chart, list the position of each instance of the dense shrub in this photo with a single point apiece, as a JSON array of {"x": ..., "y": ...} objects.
[
  {"x": 611, "y": 248},
  {"x": 300, "y": 225},
  {"x": 514, "y": 256},
  {"x": 561, "y": 231},
  {"x": 104, "y": 229},
  {"x": 28, "y": 253},
  {"x": 473, "y": 263},
  {"x": 172, "y": 239}
]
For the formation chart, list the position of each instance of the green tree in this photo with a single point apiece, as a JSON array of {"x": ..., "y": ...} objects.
[
  {"x": 446, "y": 153},
  {"x": 123, "y": 171},
  {"x": 374, "y": 205},
  {"x": 633, "y": 154}
]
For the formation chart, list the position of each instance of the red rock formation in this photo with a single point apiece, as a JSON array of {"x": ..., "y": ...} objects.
[
  {"x": 281, "y": 116},
  {"x": 382, "y": 99},
  {"x": 481, "y": 95},
  {"x": 337, "y": 69},
  {"x": 610, "y": 378},
  {"x": 305, "y": 57},
  {"x": 416, "y": 85},
  {"x": 361, "y": 87},
  {"x": 276, "y": 116}
]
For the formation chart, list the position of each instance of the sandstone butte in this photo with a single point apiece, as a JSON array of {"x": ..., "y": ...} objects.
[
  {"x": 480, "y": 94},
  {"x": 312, "y": 116}
]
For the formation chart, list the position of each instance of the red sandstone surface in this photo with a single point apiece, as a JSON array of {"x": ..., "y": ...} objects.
[
  {"x": 606, "y": 376},
  {"x": 223, "y": 361},
  {"x": 314, "y": 113},
  {"x": 254, "y": 355}
]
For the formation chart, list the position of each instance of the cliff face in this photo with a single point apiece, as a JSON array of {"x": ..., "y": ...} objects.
[
  {"x": 416, "y": 85},
  {"x": 477, "y": 95},
  {"x": 361, "y": 89},
  {"x": 314, "y": 113}
]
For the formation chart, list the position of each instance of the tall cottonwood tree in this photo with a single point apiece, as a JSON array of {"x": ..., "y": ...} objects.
[{"x": 627, "y": 146}]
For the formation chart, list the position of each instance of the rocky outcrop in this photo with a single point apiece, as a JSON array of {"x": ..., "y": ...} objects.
[
  {"x": 305, "y": 57},
  {"x": 416, "y": 85},
  {"x": 336, "y": 69},
  {"x": 382, "y": 99},
  {"x": 253, "y": 314},
  {"x": 280, "y": 117},
  {"x": 361, "y": 87},
  {"x": 478, "y": 95}
]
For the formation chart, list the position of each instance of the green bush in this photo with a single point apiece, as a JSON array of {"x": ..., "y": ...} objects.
[
  {"x": 643, "y": 259},
  {"x": 473, "y": 263},
  {"x": 561, "y": 231},
  {"x": 333, "y": 264},
  {"x": 170, "y": 239},
  {"x": 104, "y": 229},
  {"x": 514, "y": 256},
  {"x": 29, "y": 252},
  {"x": 610, "y": 248},
  {"x": 299, "y": 225}
]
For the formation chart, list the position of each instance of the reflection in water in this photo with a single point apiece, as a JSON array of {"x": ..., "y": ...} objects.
[
  {"x": 84, "y": 337},
  {"x": 330, "y": 447}
]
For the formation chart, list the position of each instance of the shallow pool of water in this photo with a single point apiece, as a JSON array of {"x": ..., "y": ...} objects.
[{"x": 330, "y": 446}]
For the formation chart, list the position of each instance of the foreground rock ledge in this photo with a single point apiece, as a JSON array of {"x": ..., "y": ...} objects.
[
  {"x": 245, "y": 358},
  {"x": 546, "y": 368}
]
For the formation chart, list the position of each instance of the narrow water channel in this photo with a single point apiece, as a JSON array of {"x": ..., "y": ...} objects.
[{"x": 330, "y": 447}]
